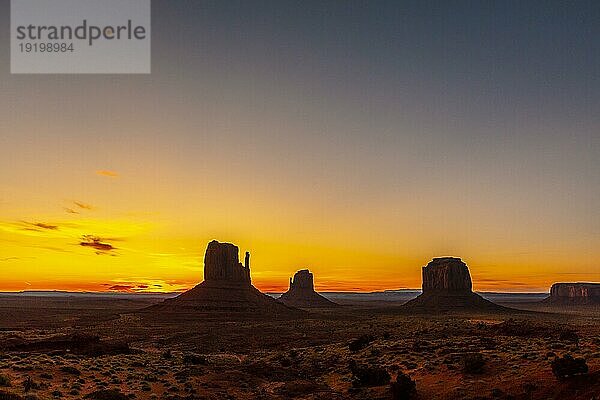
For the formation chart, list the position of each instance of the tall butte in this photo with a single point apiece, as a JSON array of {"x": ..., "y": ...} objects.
[
  {"x": 226, "y": 288},
  {"x": 302, "y": 292},
  {"x": 447, "y": 286}
]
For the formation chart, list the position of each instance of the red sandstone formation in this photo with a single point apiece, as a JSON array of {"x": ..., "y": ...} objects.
[
  {"x": 226, "y": 287},
  {"x": 447, "y": 286},
  {"x": 302, "y": 292},
  {"x": 446, "y": 274},
  {"x": 580, "y": 293}
]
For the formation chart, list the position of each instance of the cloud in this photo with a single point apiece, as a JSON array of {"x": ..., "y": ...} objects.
[
  {"x": 127, "y": 287},
  {"x": 83, "y": 206},
  {"x": 38, "y": 226},
  {"x": 107, "y": 173},
  {"x": 71, "y": 211},
  {"x": 96, "y": 243},
  {"x": 121, "y": 288},
  {"x": 146, "y": 285}
]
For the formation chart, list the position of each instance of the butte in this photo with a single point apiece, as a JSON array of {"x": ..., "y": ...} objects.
[
  {"x": 302, "y": 293},
  {"x": 226, "y": 290},
  {"x": 447, "y": 287}
]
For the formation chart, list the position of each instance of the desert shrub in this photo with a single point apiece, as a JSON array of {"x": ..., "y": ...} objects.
[
  {"x": 368, "y": 375},
  {"x": 404, "y": 388},
  {"x": 520, "y": 328},
  {"x": 29, "y": 384},
  {"x": 4, "y": 381},
  {"x": 106, "y": 395},
  {"x": 568, "y": 366},
  {"x": 299, "y": 388},
  {"x": 67, "y": 369},
  {"x": 360, "y": 343},
  {"x": 568, "y": 335},
  {"x": 9, "y": 396},
  {"x": 195, "y": 359},
  {"x": 473, "y": 363}
]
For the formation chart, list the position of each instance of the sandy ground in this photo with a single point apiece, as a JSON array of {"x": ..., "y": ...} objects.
[{"x": 210, "y": 357}]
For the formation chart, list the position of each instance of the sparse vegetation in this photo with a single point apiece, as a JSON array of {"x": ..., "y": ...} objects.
[
  {"x": 403, "y": 388},
  {"x": 473, "y": 363},
  {"x": 361, "y": 342},
  {"x": 368, "y": 375},
  {"x": 4, "y": 381},
  {"x": 568, "y": 366}
]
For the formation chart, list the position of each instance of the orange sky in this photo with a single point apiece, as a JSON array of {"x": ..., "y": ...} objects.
[{"x": 98, "y": 242}]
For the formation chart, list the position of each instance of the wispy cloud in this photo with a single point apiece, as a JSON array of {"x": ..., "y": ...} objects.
[
  {"x": 96, "y": 243},
  {"x": 40, "y": 225},
  {"x": 107, "y": 173},
  {"x": 9, "y": 259},
  {"x": 142, "y": 285},
  {"x": 83, "y": 206},
  {"x": 77, "y": 206}
]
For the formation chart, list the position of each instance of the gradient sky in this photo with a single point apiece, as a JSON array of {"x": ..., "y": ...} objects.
[{"x": 358, "y": 139}]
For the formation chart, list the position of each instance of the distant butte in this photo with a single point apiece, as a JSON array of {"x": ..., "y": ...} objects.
[
  {"x": 447, "y": 286},
  {"x": 226, "y": 288},
  {"x": 302, "y": 292},
  {"x": 574, "y": 293}
]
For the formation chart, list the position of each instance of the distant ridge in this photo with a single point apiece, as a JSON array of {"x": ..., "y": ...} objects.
[{"x": 574, "y": 293}]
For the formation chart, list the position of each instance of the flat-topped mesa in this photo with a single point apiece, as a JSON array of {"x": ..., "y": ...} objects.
[
  {"x": 447, "y": 287},
  {"x": 221, "y": 263},
  {"x": 449, "y": 274},
  {"x": 302, "y": 292},
  {"x": 575, "y": 293}
]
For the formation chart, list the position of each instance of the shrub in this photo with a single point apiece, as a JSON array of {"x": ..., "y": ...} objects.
[
  {"x": 368, "y": 375},
  {"x": 568, "y": 366},
  {"x": 70, "y": 370},
  {"x": 106, "y": 395},
  {"x": 195, "y": 359},
  {"x": 473, "y": 363},
  {"x": 360, "y": 343},
  {"x": 9, "y": 396},
  {"x": 403, "y": 388}
]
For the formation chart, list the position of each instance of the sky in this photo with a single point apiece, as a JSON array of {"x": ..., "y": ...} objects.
[{"x": 358, "y": 139}]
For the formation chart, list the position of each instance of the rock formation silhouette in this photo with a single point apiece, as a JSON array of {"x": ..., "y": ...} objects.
[
  {"x": 575, "y": 293},
  {"x": 221, "y": 263},
  {"x": 226, "y": 287},
  {"x": 302, "y": 292},
  {"x": 447, "y": 286}
]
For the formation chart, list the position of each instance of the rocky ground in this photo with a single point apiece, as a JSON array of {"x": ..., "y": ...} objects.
[{"x": 348, "y": 353}]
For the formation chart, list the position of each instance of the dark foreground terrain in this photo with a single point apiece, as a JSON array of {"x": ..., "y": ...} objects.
[{"x": 101, "y": 348}]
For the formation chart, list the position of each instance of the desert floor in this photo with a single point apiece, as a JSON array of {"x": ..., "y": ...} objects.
[{"x": 75, "y": 348}]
